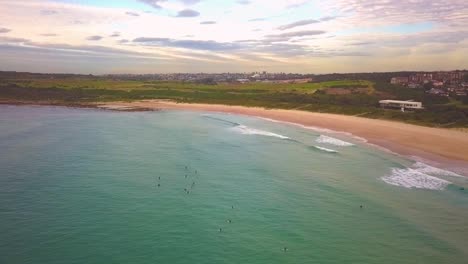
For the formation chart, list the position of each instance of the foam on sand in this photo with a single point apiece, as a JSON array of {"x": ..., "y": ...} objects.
[
  {"x": 419, "y": 176},
  {"x": 332, "y": 141},
  {"x": 252, "y": 131},
  {"x": 427, "y": 169}
]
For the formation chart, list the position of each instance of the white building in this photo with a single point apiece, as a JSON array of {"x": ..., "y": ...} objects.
[{"x": 401, "y": 104}]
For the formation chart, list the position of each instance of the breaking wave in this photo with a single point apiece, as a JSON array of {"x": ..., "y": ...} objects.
[
  {"x": 221, "y": 120},
  {"x": 245, "y": 129},
  {"x": 332, "y": 141},
  {"x": 325, "y": 149},
  {"x": 427, "y": 169},
  {"x": 317, "y": 129},
  {"x": 419, "y": 176},
  {"x": 252, "y": 131}
]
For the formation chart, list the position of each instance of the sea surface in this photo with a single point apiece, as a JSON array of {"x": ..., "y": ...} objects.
[{"x": 95, "y": 186}]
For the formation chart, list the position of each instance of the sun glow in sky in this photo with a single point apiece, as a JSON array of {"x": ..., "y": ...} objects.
[{"x": 308, "y": 36}]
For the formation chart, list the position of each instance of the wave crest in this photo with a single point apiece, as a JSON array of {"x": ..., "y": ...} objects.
[
  {"x": 333, "y": 141},
  {"x": 252, "y": 131},
  {"x": 419, "y": 176},
  {"x": 325, "y": 149}
]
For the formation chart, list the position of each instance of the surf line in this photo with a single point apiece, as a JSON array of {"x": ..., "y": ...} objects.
[{"x": 252, "y": 131}]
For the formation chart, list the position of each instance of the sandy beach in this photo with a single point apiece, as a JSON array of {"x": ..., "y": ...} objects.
[{"x": 435, "y": 144}]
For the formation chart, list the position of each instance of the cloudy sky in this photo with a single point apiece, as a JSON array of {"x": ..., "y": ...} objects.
[{"x": 308, "y": 36}]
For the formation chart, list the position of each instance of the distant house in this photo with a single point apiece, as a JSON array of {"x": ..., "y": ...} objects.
[
  {"x": 421, "y": 77},
  {"x": 460, "y": 92},
  {"x": 401, "y": 104},
  {"x": 438, "y": 92},
  {"x": 399, "y": 80}
]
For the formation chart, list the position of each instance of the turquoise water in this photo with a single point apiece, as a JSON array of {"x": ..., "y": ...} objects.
[{"x": 81, "y": 186}]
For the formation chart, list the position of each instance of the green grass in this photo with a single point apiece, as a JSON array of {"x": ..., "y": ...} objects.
[
  {"x": 308, "y": 96},
  {"x": 100, "y": 83}
]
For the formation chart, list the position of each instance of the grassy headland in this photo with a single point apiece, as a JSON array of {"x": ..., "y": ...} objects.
[{"x": 342, "y": 94}]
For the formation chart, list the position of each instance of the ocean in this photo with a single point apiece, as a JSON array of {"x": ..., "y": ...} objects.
[{"x": 95, "y": 186}]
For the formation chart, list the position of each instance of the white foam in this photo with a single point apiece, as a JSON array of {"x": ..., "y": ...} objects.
[
  {"x": 318, "y": 129},
  {"x": 420, "y": 176},
  {"x": 410, "y": 178},
  {"x": 333, "y": 141},
  {"x": 326, "y": 149},
  {"x": 252, "y": 131},
  {"x": 427, "y": 169}
]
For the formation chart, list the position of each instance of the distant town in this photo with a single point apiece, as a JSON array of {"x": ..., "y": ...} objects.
[
  {"x": 441, "y": 83},
  {"x": 213, "y": 78},
  {"x": 451, "y": 83}
]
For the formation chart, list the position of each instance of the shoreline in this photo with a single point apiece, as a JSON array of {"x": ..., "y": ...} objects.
[{"x": 438, "y": 146}]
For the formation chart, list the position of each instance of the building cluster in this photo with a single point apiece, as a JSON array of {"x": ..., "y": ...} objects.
[
  {"x": 220, "y": 77},
  {"x": 449, "y": 83}
]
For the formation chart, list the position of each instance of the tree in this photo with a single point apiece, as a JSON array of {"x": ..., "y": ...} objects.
[{"x": 428, "y": 86}]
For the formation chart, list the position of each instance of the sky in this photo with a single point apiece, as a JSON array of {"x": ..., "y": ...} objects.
[{"x": 167, "y": 36}]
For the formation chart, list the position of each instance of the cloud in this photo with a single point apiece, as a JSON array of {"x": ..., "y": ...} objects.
[
  {"x": 49, "y": 35},
  {"x": 258, "y": 19},
  {"x": 296, "y": 3},
  {"x": 305, "y": 22},
  {"x": 94, "y": 38},
  {"x": 188, "y": 44},
  {"x": 48, "y": 12},
  {"x": 296, "y": 34},
  {"x": 385, "y": 12},
  {"x": 190, "y": 2},
  {"x": 327, "y": 18},
  {"x": 132, "y": 13},
  {"x": 4, "y": 30},
  {"x": 298, "y": 24},
  {"x": 157, "y": 3},
  {"x": 188, "y": 13},
  {"x": 153, "y": 3},
  {"x": 13, "y": 40},
  {"x": 244, "y": 2},
  {"x": 363, "y": 43},
  {"x": 208, "y": 22},
  {"x": 115, "y": 35},
  {"x": 425, "y": 38}
]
